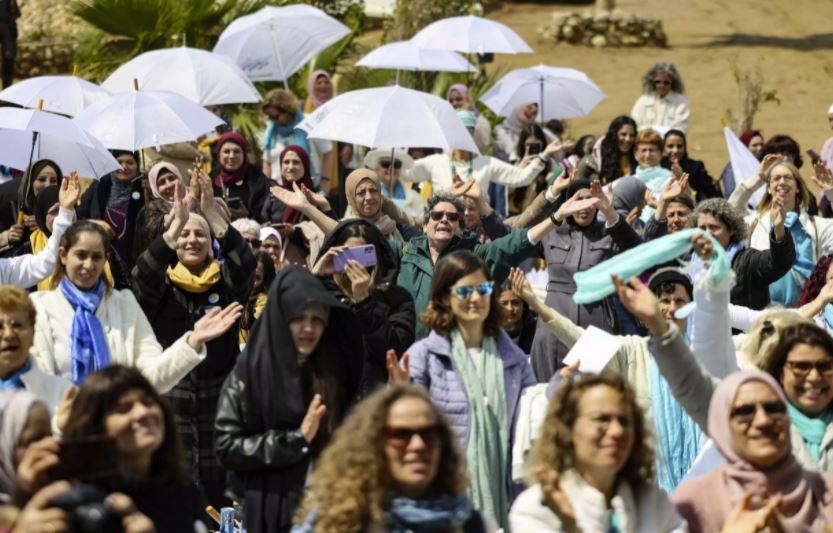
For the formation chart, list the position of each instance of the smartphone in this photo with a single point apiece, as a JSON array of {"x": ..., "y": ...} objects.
[
  {"x": 233, "y": 202},
  {"x": 87, "y": 459},
  {"x": 364, "y": 255},
  {"x": 814, "y": 157},
  {"x": 534, "y": 148}
]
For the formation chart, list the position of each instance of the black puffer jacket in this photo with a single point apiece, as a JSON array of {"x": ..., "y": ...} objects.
[{"x": 756, "y": 269}]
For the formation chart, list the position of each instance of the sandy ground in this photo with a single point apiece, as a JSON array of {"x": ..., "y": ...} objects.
[{"x": 792, "y": 42}]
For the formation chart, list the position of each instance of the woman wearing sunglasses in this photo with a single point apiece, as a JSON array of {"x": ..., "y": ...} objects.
[
  {"x": 662, "y": 105},
  {"x": 801, "y": 361},
  {"x": 762, "y": 487},
  {"x": 475, "y": 374},
  {"x": 393, "y": 466}
]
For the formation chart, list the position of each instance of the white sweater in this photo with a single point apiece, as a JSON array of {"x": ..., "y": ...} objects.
[
  {"x": 484, "y": 169},
  {"x": 647, "y": 510},
  {"x": 129, "y": 337},
  {"x": 671, "y": 112},
  {"x": 27, "y": 270}
]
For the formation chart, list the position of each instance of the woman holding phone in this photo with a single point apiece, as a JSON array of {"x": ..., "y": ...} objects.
[{"x": 384, "y": 311}]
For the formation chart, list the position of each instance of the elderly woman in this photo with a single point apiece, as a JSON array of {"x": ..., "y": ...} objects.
[
  {"x": 390, "y": 172},
  {"x": 613, "y": 154},
  {"x": 761, "y": 482},
  {"x": 677, "y": 160},
  {"x": 753, "y": 268},
  {"x": 402, "y": 457},
  {"x": 240, "y": 184},
  {"x": 812, "y": 235},
  {"x": 591, "y": 469},
  {"x": 662, "y": 105}
]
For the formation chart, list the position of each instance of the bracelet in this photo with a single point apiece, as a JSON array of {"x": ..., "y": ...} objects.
[
  {"x": 542, "y": 157},
  {"x": 553, "y": 219}
]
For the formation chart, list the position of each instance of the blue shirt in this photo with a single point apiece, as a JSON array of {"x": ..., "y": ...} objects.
[{"x": 15, "y": 381}]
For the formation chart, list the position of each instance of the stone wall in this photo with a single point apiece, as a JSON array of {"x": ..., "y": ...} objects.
[
  {"x": 38, "y": 58},
  {"x": 614, "y": 28}
]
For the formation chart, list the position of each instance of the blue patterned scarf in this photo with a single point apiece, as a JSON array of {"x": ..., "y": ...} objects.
[
  {"x": 444, "y": 512},
  {"x": 89, "y": 345}
]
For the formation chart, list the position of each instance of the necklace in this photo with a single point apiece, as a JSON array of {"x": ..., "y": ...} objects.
[{"x": 469, "y": 170}]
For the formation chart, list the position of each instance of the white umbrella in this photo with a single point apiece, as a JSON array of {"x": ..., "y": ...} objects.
[
  {"x": 139, "y": 119},
  {"x": 27, "y": 135},
  {"x": 559, "y": 92},
  {"x": 390, "y": 116},
  {"x": 67, "y": 95},
  {"x": 471, "y": 35},
  {"x": 275, "y": 42},
  {"x": 405, "y": 55},
  {"x": 199, "y": 75}
]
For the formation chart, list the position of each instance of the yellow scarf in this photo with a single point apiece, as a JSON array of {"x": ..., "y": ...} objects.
[
  {"x": 185, "y": 280},
  {"x": 38, "y": 240}
]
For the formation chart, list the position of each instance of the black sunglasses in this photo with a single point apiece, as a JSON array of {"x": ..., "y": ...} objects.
[
  {"x": 401, "y": 437},
  {"x": 397, "y": 164},
  {"x": 453, "y": 216},
  {"x": 746, "y": 412}
]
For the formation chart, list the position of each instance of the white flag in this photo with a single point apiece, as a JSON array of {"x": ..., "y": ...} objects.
[{"x": 744, "y": 164}]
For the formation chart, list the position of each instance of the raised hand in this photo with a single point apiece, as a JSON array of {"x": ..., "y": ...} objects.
[
  {"x": 642, "y": 303},
  {"x": 70, "y": 192},
  {"x": 556, "y": 499},
  {"x": 213, "y": 324},
  {"x": 778, "y": 213},
  {"x": 676, "y": 169},
  {"x": 767, "y": 162},
  {"x": 294, "y": 199},
  {"x": 398, "y": 371},
  {"x": 553, "y": 147},
  {"x": 605, "y": 202},
  {"x": 570, "y": 371},
  {"x": 563, "y": 181},
  {"x": 318, "y": 200},
  {"x": 16, "y": 233},
  {"x": 826, "y": 292},
  {"x": 742, "y": 520},
  {"x": 312, "y": 420},
  {"x": 822, "y": 176},
  {"x": 178, "y": 216},
  {"x": 674, "y": 187},
  {"x": 633, "y": 216},
  {"x": 324, "y": 266},
  {"x": 62, "y": 412},
  {"x": 520, "y": 285},
  {"x": 702, "y": 246},
  {"x": 360, "y": 280},
  {"x": 469, "y": 189},
  {"x": 575, "y": 204}
]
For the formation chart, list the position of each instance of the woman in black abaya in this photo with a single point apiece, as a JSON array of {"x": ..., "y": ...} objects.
[{"x": 288, "y": 392}]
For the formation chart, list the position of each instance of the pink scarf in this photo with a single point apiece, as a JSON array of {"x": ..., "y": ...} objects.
[{"x": 316, "y": 101}]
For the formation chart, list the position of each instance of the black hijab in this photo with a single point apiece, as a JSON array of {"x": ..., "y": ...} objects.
[
  {"x": 386, "y": 260},
  {"x": 25, "y": 193},
  {"x": 43, "y": 203}
]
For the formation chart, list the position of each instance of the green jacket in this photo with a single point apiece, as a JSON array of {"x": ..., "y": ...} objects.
[{"x": 416, "y": 270}]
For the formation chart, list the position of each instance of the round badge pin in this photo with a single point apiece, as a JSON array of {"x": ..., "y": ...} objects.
[
  {"x": 135, "y": 195},
  {"x": 213, "y": 298}
]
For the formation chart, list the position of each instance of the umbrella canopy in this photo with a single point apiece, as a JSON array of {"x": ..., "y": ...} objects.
[
  {"x": 140, "y": 119},
  {"x": 275, "y": 42},
  {"x": 405, "y": 55},
  {"x": 199, "y": 75},
  {"x": 390, "y": 116},
  {"x": 67, "y": 95},
  {"x": 27, "y": 135},
  {"x": 559, "y": 92},
  {"x": 471, "y": 35}
]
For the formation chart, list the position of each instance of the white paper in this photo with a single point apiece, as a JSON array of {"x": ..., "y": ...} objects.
[{"x": 594, "y": 349}]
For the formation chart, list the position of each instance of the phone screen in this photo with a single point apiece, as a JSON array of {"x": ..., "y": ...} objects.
[
  {"x": 534, "y": 148},
  {"x": 87, "y": 459}
]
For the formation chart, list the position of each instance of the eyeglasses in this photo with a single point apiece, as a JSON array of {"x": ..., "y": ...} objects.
[
  {"x": 746, "y": 413},
  {"x": 254, "y": 243},
  {"x": 662, "y": 82},
  {"x": 453, "y": 216},
  {"x": 397, "y": 164},
  {"x": 802, "y": 368},
  {"x": 603, "y": 420},
  {"x": 402, "y": 437},
  {"x": 464, "y": 292}
]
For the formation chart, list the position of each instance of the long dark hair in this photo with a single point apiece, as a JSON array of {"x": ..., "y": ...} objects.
[
  {"x": 387, "y": 263},
  {"x": 815, "y": 282},
  {"x": 99, "y": 396},
  {"x": 610, "y": 169},
  {"x": 70, "y": 239},
  {"x": 458, "y": 264}
]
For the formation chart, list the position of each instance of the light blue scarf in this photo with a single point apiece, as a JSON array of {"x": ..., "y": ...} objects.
[
  {"x": 295, "y": 135},
  {"x": 812, "y": 429},
  {"x": 827, "y": 312},
  {"x": 697, "y": 265},
  {"x": 15, "y": 381},
  {"x": 786, "y": 290},
  {"x": 90, "y": 352},
  {"x": 655, "y": 179},
  {"x": 678, "y": 436},
  {"x": 595, "y": 284}
]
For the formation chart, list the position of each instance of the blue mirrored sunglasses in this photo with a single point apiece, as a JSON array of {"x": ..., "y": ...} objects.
[{"x": 464, "y": 292}]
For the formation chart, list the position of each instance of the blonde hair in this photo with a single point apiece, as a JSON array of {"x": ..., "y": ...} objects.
[
  {"x": 13, "y": 298},
  {"x": 802, "y": 196},
  {"x": 765, "y": 333},
  {"x": 648, "y": 137},
  {"x": 350, "y": 487},
  {"x": 281, "y": 100}
]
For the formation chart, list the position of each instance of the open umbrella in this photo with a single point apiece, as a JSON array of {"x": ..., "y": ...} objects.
[
  {"x": 275, "y": 42},
  {"x": 199, "y": 75},
  {"x": 559, "y": 92},
  {"x": 389, "y": 116},
  {"x": 471, "y": 35},
  {"x": 67, "y": 95},
  {"x": 406, "y": 55},
  {"x": 139, "y": 119}
]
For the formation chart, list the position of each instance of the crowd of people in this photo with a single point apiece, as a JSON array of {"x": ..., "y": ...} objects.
[{"x": 333, "y": 338}]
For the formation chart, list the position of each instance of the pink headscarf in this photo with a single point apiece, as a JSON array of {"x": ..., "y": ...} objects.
[
  {"x": 311, "y": 88},
  {"x": 464, "y": 92},
  {"x": 803, "y": 492},
  {"x": 156, "y": 170},
  {"x": 14, "y": 413}
]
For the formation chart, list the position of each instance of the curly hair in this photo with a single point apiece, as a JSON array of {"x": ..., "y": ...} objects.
[
  {"x": 765, "y": 333},
  {"x": 723, "y": 211},
  {"x": 610, "y": 168},
  {"x": 817, "y": 280},
  {"x": 351, "y": 485},
  {"x": 553, "y": 450},
  {"x": 445, "y": 196},
  {"x": 802, "y": 333},
  {"x": 802, "y": 196},
  {"x": 663, "y": 67},
  {"x": 281, "y": 100},
  {"x": 458, "y": 264}
]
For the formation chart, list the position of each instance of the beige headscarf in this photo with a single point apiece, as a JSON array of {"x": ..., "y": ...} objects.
[{"x": 385, "y": 224}]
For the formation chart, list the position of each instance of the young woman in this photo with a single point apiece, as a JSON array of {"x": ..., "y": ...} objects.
[
  {"x": 531, "y": 141},
  {"x": 178, "y": 281},
  {"x": 384, "y": 311},
  {"x": 240, "y": 184},
  {"x": 392, "y": 466},
  {"x": 506, "y": 133},
  {"x": 162, "y": 179},
  {"x": 84, "y": 325},
  {"x": 43, "y": 173},
  {"x": 459, "y": 97},
  {"x": 612, "y": 156},
  {"x": 295, "y": 169},
  {"x": 517, "y": 318},
  {"x": 306, "y": 346},
  {"x": 663, "y": 104},
  {"x": 120, "y": 404},
  {"x": 761, "y": 483},
  {"x": 591, "y": 467},
  {"x": 264, "y": 276},
  {"x": 677, "y": 160},
  {"x": 817, "y": 294},
  {"x": 475, "y": 374}
]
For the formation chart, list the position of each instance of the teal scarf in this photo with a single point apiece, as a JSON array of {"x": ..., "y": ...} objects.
[
  {"x": 786, "y": 290},
  {"x": 655, "y": 179},
  {"x": 488, "y": 426},
  {"x": 812, "y": 429}
]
